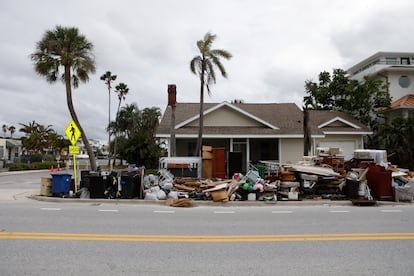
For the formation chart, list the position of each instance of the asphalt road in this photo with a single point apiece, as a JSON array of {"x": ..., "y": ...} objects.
[{"x": 67, "y": 238}]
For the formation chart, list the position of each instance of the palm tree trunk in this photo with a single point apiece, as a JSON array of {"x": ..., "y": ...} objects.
[
  {"x": 201, "y": 118},
  {"x": 116, "y": 135},
  {"x": 72, "y": 112}
]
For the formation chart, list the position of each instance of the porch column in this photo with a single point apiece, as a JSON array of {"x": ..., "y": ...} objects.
[
  {"x": 247, "y": 153},
  {"x": 231, "y": 144}
]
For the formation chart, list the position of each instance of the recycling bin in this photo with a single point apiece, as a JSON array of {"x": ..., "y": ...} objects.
[{"x": 61, "y": 184}]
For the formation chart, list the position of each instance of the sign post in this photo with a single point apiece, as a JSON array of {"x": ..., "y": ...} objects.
[{"x": 73, "y": 133}]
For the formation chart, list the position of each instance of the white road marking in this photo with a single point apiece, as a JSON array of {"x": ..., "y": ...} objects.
[
  {"x": 108, "y": 210},
  {"x": 165, "y": 212},
  {"x": 50, "y": 209},
  {"x": 391, "y": 211},
  {"x": 339, "y": 211},
  {"x": 282, "y": 212},
  {"x": 224, "y": 212}
]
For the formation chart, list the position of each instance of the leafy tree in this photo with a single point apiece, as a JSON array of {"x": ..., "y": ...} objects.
[
  {"x": 362, "y": 100},
  {"x": 135, "y": 140},
  {"x": 397, "y": 136},
  {"x": 108, "y": 78},
  {"x": 203, "y": 66},
  {"x": 65, "y": 48}
]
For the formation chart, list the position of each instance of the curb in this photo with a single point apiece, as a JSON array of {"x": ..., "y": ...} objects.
[{"x": 199, "y": 203}]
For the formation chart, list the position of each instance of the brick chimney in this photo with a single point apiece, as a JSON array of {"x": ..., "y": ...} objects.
[{"x": 172, "y": 95}]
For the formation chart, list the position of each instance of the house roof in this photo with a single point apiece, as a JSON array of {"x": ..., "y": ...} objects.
[
  {"x": 374, "y": 58},
  {"x": 269, "y": 120},
  {"x": 335, "y": 122},
  {"x": 406, "y": 101}
]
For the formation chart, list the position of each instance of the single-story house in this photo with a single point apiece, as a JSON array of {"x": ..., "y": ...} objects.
[
  {"x": 10, "y": 149},
  {"x": 253, "y": 132}
]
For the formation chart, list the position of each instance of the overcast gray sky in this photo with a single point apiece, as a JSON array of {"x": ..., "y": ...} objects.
[{"x": 148, "y": 44}]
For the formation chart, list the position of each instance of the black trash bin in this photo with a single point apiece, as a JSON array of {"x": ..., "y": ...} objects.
[
  {"x": 97, "y": 186},
  {"x": 352, "y": 188},
  {"x": 131, "y": 185}
]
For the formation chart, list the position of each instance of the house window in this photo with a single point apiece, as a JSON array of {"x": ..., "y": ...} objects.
[
  {"x": 404, "y": 81},
  {"x": 405, "y": 61}
]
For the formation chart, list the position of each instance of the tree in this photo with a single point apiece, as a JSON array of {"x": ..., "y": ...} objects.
[
  {"x": 362, "y": 100},
  {"x": 122, "y": 90},
  {"x": 397, "y": 136},
  {"x": 109, "y": 78},
  {"x": 135, "y": 138},
  {"x": 4, "y": 128},
  {"x": 203, "y": 65},
  {"x": 12, "y": 130},
  {"x": 65, "y": 48}
]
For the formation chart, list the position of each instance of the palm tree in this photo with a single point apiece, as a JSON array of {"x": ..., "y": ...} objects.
[
  {"x": 122, "y": 90},
  {"x": 150, "y": 120},
  {"x": 30, "y": 128},
  {"x": 108, "y": 78},
  {"x": 4, "y": 128},
  {"x": 65, "y": 47},
  {"x": 203, "y": 66},
  {"x": 12, "y": 130}
]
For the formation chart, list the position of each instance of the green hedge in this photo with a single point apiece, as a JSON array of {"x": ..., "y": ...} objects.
[{"x": 34, "y": 166}]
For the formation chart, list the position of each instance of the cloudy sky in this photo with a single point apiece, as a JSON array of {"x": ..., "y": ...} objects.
[{"x": 276, "y": 46}]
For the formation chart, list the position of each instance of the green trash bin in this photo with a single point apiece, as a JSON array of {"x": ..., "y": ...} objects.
[{"x": 261, "y": 170}]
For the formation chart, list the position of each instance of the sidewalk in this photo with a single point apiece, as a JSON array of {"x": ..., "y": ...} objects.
[{"x": 10, "y": 195}]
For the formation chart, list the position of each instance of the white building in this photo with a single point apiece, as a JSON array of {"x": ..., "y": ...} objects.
[
  {"x": 10, "y": 149},
  {"x": 394, "y": 68}
]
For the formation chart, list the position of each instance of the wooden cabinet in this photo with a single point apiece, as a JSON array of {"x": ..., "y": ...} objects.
[{"x": 219, "y": 162}]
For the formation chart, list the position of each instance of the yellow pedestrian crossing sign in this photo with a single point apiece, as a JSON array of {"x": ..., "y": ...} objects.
[{"x": 73, "y": 132}]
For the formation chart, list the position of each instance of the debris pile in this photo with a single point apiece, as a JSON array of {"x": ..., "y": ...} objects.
[{"x": 362, "y": 180}]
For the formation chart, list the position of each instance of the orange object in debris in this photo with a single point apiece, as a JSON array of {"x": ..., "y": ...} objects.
[
  {"x": 178, "y": 166},
  {"x": 52, "y": 169},
  {"x": 58, "y": 168}
]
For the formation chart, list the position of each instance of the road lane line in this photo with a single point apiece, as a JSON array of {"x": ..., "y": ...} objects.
[
  {"x": 108, "y": 210},
  {"x": 339, "y": 211},
  {"x": 50, "y": 209},
  {"x": 282, "y": 212},
  {"x": 391, "y": 211},
  {"x": 206, "y": 239}
]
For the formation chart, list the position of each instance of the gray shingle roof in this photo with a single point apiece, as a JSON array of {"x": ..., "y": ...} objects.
[{"x": 288, "y": 117}]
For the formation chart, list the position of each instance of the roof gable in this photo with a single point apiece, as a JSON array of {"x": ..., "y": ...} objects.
[
  {"x": 338, "y": 122},
  {"x": 225, "y": 114}
]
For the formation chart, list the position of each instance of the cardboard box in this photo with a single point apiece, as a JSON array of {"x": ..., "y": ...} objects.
[
  {"x": 219, "y": 195},
  {"x": 46, "y": 186},
  {"x": 207, "y": 148},
  {"x": 207, "y": 155}
]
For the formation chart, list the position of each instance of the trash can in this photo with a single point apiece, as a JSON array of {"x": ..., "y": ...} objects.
[
  {"x": 96, "y": 186},
  {"x": 352, "y": 188},
  {"x": 130, "y": 185},
  {"x": 61, "y": 184}
]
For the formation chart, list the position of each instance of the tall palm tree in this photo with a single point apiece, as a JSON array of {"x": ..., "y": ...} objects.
[
  {"x": 203, "y": 65},
  {"x": 65, "y": 48},
  {"x": 109, "y": 78},
  {"x": 122, "y": 90},
  {"x": 12, "y": 130},
  {"x": 4, "y": 128}
]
